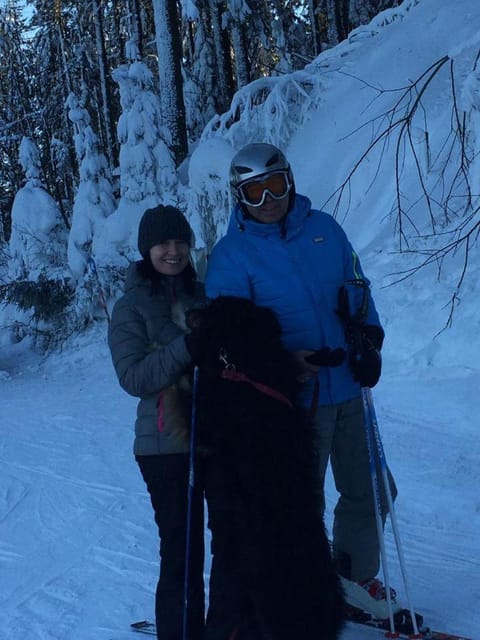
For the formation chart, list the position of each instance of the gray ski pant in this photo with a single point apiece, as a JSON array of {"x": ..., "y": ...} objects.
[{"x": 339, "y": 435}]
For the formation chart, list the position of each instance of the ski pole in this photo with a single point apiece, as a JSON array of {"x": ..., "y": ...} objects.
[
  {"x": 190, "y": 496},
  {"x": 378, "y": 507},
  {"x": 353, "y": 324},
  {"x": 391, "y": 508}
]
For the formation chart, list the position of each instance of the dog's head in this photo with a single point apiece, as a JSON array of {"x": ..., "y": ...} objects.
[{"x": 247, "y": 336}]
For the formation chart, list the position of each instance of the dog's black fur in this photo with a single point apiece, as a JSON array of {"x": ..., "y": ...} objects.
[{"x": 261, "y": 448}]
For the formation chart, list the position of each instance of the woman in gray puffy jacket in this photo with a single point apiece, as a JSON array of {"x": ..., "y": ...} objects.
[{"x": 147, "y": 343}]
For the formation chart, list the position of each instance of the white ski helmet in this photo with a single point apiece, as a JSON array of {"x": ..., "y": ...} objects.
[{"x": 255, "y": 160}]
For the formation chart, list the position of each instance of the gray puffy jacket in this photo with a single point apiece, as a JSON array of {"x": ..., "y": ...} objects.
[{"x": 149, "y": 354}]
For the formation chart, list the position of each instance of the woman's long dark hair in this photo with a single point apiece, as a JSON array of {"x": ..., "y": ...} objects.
[{"x": 146, "y": 269}]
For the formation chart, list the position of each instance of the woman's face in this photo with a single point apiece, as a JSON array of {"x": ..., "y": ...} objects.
[{"x": 170, "y": 257}]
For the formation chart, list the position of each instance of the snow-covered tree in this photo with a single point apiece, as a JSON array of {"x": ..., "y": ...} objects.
[
  {"x": 94, "y": 200},
  {"x": 208, "y": 198},
  {"x": 38, "y": 290},
  {"x": 147, "y": 169},
  {"x": 38, "y": 240}
]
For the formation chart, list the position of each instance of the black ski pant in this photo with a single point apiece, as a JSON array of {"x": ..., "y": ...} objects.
[{"x": 166, "y": 477}]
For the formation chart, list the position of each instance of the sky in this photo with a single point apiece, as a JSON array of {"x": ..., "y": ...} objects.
[{"x": 78, "y": 545}]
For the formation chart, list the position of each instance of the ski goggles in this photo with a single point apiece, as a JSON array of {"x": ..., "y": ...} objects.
[{"x": 254, "y": 192}]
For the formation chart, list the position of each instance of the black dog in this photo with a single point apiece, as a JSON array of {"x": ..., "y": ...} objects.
[{"x": 267, "y": 532}]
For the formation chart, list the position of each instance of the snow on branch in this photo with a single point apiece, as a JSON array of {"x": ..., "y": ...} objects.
[{"x": 268, "y": 109}]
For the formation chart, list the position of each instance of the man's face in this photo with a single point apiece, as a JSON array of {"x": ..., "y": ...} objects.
[{"x": 266, "y": 198}]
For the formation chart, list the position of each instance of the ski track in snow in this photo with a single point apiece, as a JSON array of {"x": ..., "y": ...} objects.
[{"x": 79, "y": 550}]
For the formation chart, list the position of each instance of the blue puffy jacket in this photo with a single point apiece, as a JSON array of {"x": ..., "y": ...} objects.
[{"x": 295, "y": 268}]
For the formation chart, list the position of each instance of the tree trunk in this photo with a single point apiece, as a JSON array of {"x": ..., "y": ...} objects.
[
  {"x": 102, "y": 68},
  {"x": 222, "y": 55},
  {"x": 242, "y": 66},
  {"x": 313, "y": 17},
  {"x": 136, "y": 26},
  {"x": 333, "y": 35},
  {"x": 169, "y": 50}
]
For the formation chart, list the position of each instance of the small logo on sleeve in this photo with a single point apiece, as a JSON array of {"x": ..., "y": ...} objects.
[{"x": 318, "y": 239}]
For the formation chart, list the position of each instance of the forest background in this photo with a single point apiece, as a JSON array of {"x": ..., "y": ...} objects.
[{"x": 103, "y": 103}]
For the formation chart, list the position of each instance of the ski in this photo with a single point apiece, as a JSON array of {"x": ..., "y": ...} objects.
[
  {"x": 147, "y": 627},
  {"x": 144, "y": 626},
  {"x": 403, "y": 626},
  {"x": 423, "y": 634}
]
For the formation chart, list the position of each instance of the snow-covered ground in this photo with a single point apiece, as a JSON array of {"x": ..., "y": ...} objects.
[{"x": 78, "y": 546}]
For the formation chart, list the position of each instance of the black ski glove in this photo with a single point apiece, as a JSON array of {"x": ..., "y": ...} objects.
[
  {"x": 327, "y": 357},
  {"x": 366, "y": 366},
  {"x": 374, "y": 334}
]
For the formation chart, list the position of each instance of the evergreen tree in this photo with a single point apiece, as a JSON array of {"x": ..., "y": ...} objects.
[
  {"x": 16, "y": 110},
  {"x": 53, "y": 73},
  {"x": 94, "y": 199},
  {"x": 147, "y": 169},
  {"x": 38, "y": 240}
]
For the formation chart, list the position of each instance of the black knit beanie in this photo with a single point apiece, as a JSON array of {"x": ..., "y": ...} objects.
[{"x": 162, "y": 223}]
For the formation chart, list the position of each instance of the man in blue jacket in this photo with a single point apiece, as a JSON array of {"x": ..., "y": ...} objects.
[{"x": 282, "y": 254}]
